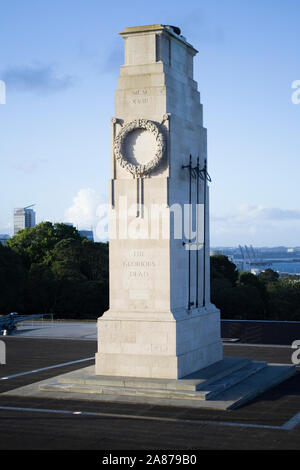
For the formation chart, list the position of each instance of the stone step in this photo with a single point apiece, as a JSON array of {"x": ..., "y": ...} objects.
[
  {"x": 229, "y": 381},
  {"x": 192, "y": 382},
  {"x": 233, "y": 397},
  {"x": 254, "y": 385},
  {"x": 121, "y": 391},
  {"x": 215, "y": 389}
]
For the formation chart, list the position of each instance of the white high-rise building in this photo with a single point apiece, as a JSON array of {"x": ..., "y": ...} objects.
[{"x": 24, "y": 217}]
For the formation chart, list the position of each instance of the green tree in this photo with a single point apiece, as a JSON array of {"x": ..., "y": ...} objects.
[
  {"x": 81, "y": 268},
  {"x": 34, "y": 245},
  {"x": 268, "y": 275},
  {"x": 221, "y": 267},
  {"x": 94, "y": 261},
  {"x": 237, "y": 294},
  {"x": 66, "y": 260},
  {"x": 13, "y": 277},
  {"x": 217, "y": 288},
  {"x": 240, "y": 302},
  {"x": 51, "y": 268},
  {"x": 40, "y": 290},
  {"x": 284, "y": 299},
  {"x": 245, "y": 278}
]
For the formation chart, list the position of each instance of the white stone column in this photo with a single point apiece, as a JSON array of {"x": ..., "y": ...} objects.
[{"x": 150, "y": 330}]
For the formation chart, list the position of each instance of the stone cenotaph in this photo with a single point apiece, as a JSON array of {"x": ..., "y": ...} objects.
[
  {"x": 160, "y": 322},
  {"x": 159, "y": 342}
]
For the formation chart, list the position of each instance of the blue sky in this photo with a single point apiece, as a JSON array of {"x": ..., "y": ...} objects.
[{"x": 60, "y": 60}]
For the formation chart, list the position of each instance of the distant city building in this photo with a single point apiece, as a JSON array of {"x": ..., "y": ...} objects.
[
  {"x": 214, "y": 252},
  {"x": 87, "y": 234},
  {"x": 84, "y": 233},
  {"x": 4, "y": 238},
  {"x": 24, "y": 217}
]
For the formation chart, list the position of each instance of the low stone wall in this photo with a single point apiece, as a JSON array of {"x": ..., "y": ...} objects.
[{"x": 261, "y": 332}]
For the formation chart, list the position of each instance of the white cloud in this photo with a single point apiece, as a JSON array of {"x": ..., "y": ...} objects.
[
  {"x": 258, "y": 225},
  {"x": 84, "y": 212},
  {"x": 39, "y": 78},
  {"x": 246, "y": 213},
  {"x": 27, "y": 166}
]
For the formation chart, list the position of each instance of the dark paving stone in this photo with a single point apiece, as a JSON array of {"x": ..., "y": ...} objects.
[
  {"x": 28, "y": 430},
  {"x": 261, "y": 332},
  {"x": 277, "y": 355},
  {"x": 25, "y": 354}
]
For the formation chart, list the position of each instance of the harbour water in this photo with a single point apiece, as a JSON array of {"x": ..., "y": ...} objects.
[
  {"x": 291, "y": 267},
  {"x": 280, "y": 259}
]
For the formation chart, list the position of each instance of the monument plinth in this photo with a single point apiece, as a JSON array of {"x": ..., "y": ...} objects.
[{"x": 161, "y": 323}]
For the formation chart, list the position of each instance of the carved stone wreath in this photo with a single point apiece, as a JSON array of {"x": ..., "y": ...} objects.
[{"x": 143, "y": 169}]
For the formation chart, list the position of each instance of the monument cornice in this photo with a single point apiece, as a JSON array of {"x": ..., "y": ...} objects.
[{"x": 148, "y": 29}]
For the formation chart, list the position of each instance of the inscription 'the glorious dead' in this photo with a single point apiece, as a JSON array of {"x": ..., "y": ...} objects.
[{"x": 137, "y": 265}]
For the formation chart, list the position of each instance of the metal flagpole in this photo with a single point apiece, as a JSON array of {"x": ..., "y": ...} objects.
[
  {"x": 204, "y": 231},
  {"x": 190, "y": 228},
  {"x": 190, "y": 232},
  {"x": 197, "y": 236}
]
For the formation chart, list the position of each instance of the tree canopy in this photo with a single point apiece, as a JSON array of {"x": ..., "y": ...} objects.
[
  {"x": 243, "y": 295},
  {"x": 51, "y": 268},
  {"x": 35, "y": 244},
  {"x": 221, "y": 267}
]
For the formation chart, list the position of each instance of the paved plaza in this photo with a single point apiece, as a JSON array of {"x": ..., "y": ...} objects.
[
  {"x": 57, "y": 329},
  {"x": 271, "y": 421}
]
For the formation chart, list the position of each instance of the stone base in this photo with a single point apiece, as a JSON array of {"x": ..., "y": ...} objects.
[
  {"x": 157, "y": 366},
  {"x": 158, "y": 345},
  {"x": 224, "y": 385}
]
